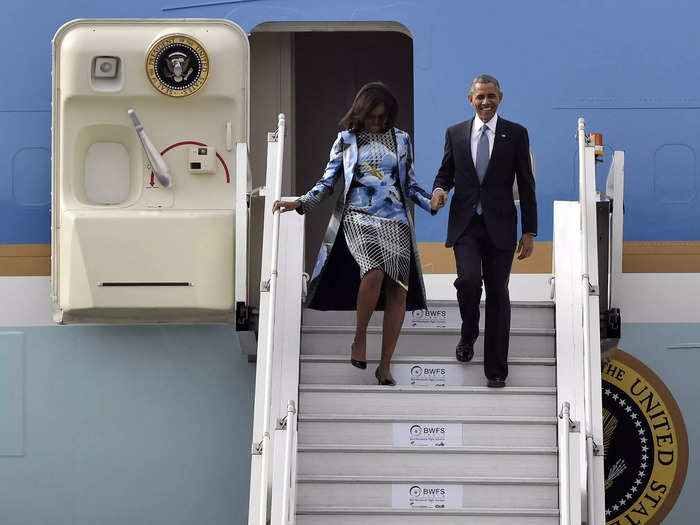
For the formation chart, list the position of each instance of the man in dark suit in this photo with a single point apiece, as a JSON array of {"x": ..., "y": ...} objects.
[{"x": 483, "y": 156}]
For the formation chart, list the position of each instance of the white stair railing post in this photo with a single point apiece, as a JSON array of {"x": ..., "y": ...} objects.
[
  {"x": 616, "y": 238},
  {"x": 566, "y": 476},
  {"x": 591, "y": 323},
  {"x": 265, "y": 445},
  {"x": 569, "y": 343},
  {"x": 277, "y": 371},
  {"x": 564, "y": 466},
  {"x": 585, "y": 283}
]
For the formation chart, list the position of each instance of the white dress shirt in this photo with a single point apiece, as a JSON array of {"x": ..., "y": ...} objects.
[
  {"x": 490, "y": 131},
  {"x": 477, "y": 124}
]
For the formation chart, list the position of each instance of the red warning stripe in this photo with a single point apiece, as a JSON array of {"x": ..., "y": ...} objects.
[{"x": 192, "y": 143}]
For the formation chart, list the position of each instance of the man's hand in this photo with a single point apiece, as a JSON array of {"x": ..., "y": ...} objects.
[
  {"x": 438, "y": 199},
  {"x": 526, "y": 246}
]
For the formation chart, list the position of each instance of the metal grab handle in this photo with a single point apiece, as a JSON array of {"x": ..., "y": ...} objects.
[
  {"x": 552, "y": 288},
  {"x": 158, "y": 165},
  {"x": 564, "y": 466},
  {"x": 287, "y": 514},
  {"x": 305, "y": 278}
]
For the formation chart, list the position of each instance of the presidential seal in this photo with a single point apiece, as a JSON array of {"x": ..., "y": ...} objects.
[
  {"x": 177, "y": 65},
  {"x": 645, "y": 441}
]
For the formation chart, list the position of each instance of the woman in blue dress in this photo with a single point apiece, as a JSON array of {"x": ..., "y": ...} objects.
[{"x": 369, "y": 258}]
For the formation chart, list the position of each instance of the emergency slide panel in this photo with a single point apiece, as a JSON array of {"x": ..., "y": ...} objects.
[{"x": 147, "y": 118}]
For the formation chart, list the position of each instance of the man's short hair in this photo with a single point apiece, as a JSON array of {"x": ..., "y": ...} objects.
[{"x": 484, "y": 79}]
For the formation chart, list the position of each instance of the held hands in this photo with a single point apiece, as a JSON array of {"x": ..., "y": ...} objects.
[
  {"x": 283, "y": 206},
  {"x": 526, "y": 246},
  {"x": 439, "y": 199}
]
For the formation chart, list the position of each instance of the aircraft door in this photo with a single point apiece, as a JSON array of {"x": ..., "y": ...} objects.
[{"x": 150, "y": 133}]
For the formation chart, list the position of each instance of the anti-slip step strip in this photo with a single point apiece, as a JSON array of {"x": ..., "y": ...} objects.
[
  {"x": 340, "y": 329},
  {"x": 383, "y": 511},
  {"x": 453, "y": 302},
  {"x": 513, "y": 304},
  {"x": 316, "y": 358},
  {"x": 508, "y": 390},
  {"x": 428, "y": 479},
  {"x": 439, "y": 419},
  {"x": 361, "y": 449}
]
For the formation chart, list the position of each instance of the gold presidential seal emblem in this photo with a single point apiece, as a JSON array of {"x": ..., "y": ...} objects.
[
  {"x": 177, "y": 65},
  {"x": 645, "y": 441}
]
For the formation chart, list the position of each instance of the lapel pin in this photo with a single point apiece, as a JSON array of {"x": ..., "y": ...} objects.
[{"x": 503, "y": 136}]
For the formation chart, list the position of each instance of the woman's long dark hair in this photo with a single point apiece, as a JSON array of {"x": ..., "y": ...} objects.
[{"x": 369, "y": 97}]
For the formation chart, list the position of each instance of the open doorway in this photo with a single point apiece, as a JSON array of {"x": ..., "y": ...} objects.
[{"x": 311, "y": 73}]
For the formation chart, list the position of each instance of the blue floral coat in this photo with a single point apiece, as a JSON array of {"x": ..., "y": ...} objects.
[{"x": 336, "y": 277}]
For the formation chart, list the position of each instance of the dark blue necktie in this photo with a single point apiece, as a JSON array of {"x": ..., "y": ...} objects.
[{"x": 482, "y": 160}]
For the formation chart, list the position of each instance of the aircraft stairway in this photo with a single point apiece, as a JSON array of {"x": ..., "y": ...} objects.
[
  {"x": 331, "y": 446},
  {"x": 364, "y": 451}
]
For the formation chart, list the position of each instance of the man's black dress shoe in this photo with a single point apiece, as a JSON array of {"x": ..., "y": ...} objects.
[
  {"x": 464, "y": 351},
  {"x": 496, "y": 382}
]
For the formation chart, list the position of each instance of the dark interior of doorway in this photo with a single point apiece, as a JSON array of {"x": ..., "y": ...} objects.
[{"x": 329, "y": 68}]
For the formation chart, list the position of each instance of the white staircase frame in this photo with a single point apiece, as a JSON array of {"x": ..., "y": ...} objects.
[
  {"x": 579, "y": 397},
  {"x": 615, "y": 189},
  {"x": 582, "y": 495},
  {"x": 273, "y": 462}
]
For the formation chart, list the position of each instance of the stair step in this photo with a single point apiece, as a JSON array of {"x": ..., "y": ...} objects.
[
  {"x": 523, "y": 371},
  {"x": 428, "y": 461},
  {"x": 464, "y": 516},
  {"x": 427, "y": 401},
  {"x": 443, "y": 313},
  {"x": 464, "y": 480},
  {"x": 436, "y": 342},
  {"x": 453, "y": 430},
  {"x": 379, "y": 491},
  {"x": 354, "y": 458}
]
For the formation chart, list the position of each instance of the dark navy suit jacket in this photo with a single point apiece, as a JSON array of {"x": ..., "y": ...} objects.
[{"x": 509, "y": 161}]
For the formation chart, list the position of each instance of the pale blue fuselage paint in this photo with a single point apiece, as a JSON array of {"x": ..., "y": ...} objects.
[{"x": 626, "y": 68}]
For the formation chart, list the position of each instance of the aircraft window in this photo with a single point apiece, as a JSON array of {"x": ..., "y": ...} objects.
[{"x": 107, "y": 173}]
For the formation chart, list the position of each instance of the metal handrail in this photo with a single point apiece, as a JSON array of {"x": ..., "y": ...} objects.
[
  {"x": 287, "y": 514},
  {"x": 265, "y": 449},
  {"x": 564, "y": 465},
  {"x": 586, "y": 292}
]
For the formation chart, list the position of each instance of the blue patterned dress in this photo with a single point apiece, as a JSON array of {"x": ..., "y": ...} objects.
[
  {"x": 375, "y": 223},
  {"x": 376, "y": 227}
]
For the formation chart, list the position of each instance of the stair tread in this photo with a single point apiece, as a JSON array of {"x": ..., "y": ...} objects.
[
  {"x": 475, "y": 511},
  {"x": 508, "y": 390},
  {"x": 516, "y": 420},
  {"x": 426, "y": 450},
  {"x": 320, "y": 358},
  {"x": 465, "y": 480},
  {"x": 544, "y": 481},
  {"x": 453, "y": 302},
  {"x": 347, "y": 329}
]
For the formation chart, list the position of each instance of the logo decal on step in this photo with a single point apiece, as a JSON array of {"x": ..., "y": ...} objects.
[
  {"x": 442, "y": 317},
  {"x": 427, "y": 434},
  {"x": 645, "y": 441},
  {"x": 422, "y": 496},
  {"x": 428, "y": 374}
]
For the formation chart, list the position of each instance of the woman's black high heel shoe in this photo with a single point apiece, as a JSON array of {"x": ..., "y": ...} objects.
[
  {"x": 383, "y": 382},
  {"x": 362, "y": 365}
]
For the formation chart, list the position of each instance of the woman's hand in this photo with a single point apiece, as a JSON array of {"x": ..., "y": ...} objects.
[
  {"x": 438, "y": 199},
  {"x": 285, "y": 206}
]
